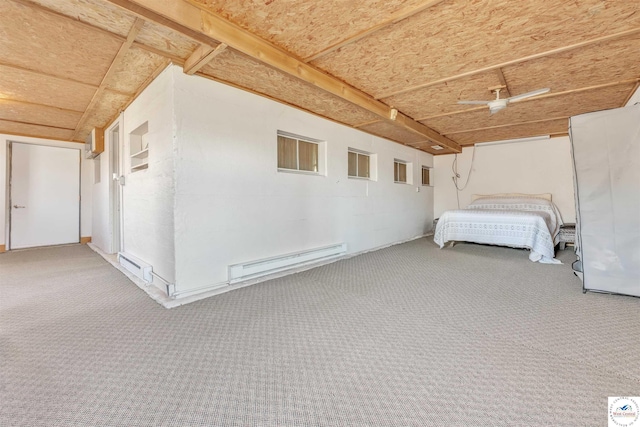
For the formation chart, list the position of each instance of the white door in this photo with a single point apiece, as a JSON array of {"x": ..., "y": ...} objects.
[{"x": 44, "y": 195}]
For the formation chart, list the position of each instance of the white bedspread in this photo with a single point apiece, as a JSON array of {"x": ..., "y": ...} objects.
[
  {"x": 528, "y": 204},
  {"x": 531, "y": 224}
]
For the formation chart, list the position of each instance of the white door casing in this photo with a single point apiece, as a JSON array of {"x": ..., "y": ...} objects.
[
  {"x": 44, "y": 195},
  {"x": 115, "y": 189}
]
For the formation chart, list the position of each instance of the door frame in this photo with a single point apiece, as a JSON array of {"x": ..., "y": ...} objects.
[
  {"x": 9, "y": 177},
  {"x": 116, "y": 216}
]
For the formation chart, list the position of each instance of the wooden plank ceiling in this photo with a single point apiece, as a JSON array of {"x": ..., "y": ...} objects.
[{"x": 391, "y": 68}]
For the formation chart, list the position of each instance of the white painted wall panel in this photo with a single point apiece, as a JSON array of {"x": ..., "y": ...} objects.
[
  {"x": 101, "y": 233},
  {"x": 232, "y": 205},
  {"x": 542, "y": 166},
  {"x": 148, "y": 195}
]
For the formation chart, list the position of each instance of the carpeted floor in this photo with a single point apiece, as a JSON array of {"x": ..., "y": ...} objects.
[{"x": 405, "y": 336}]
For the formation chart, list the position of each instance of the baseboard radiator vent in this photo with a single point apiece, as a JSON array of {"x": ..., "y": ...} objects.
[
  {"x": 263, "y": 267},
  {"x": 136, "y": 266}
]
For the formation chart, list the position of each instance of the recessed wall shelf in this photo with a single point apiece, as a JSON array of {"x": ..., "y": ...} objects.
[
  {"x": 141, "y": 154},
  {"x": 139, "y": 167},
  {"x": 139, "y": 148}
]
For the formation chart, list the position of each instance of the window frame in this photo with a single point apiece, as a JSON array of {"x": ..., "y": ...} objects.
[
  {"x": 430, "y": 184},
  {"x": 406, "y": 171},
  {"x": 319, "y": 147},
  {"x": 369, "y": 157}
]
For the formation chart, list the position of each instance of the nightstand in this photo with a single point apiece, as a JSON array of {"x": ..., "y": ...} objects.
[{"x": 567, "y": 235}]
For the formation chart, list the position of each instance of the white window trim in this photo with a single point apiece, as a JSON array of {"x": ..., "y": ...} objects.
[
  {"x": 320, "y": 143},
  {"x": 298, "y": 171}
]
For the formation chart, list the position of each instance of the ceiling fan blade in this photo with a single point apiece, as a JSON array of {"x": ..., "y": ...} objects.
[
  {"x": 473, "y": 102},
  {"x": 528, "y": 94}
]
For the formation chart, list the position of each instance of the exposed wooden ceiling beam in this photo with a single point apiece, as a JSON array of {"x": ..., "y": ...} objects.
[
  {"x": 398, "y": 16},
  {"x": 558, "y": 135},
  {"x": 454, "y": 113},
  {"x": 370, "y": 122},
  {"x": 420, "y": 129},
  {"x": 77, "y": 21},
  {"x": 503, "y": 82},
  {"x": 506, "y": 125},
  {"x": 175, "y": 59},
  {"x": 133, "y": 33},
  {"x": 199, "y": 23},
  {"x": 512, "y": 62},
  {"x": 34, "y": 130},
  {"x": 35, "y": 104},
  {"x": 201, "y": 57},
  {"x": 53, "y": 76},
  {"x": 535, "y": 98},
  {"x": 21, "y": 68},
  {"x": 35, "y": 124},
  {"x": 423, "y": 146}
]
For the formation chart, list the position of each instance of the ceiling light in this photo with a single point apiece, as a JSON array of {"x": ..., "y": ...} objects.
[{"x": 437, "y": 147}]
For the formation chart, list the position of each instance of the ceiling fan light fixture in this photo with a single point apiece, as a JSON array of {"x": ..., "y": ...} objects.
[{"x": 498, "y": 104}]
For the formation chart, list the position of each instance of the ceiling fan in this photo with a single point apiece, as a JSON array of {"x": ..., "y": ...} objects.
[{"x": 501, "y": 103}]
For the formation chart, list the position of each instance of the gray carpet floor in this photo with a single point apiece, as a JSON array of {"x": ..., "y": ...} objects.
[{"x": 409, "y": 335}]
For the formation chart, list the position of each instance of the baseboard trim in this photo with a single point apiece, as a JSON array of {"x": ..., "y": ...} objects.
[
  {"x": 189, "y": 296},
  {"x": 153, "y": 291},
  {"x": 85, "y": 240}
]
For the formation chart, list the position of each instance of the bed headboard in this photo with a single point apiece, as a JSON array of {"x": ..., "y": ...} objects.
[{"x": 546, "y": 196}]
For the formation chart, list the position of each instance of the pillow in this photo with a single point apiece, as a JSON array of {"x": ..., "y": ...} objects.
[{"x": 546, "y": 196}]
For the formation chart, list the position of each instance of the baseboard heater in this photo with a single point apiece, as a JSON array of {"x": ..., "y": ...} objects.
[
  {"x": 263, "y": 267},
  {"x": 136, "y": 266}
]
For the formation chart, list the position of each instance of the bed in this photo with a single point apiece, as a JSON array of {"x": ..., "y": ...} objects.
[{"x": 515, "y": 220}]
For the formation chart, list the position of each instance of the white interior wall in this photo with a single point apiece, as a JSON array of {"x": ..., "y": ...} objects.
[
  {"x": 101, "y": 234},
  {"x": 148, "y": 195},
  {"x": 232, "y": 205},
  {"x": 542, "y": 166},
  {"x": 86, "y": 180}
]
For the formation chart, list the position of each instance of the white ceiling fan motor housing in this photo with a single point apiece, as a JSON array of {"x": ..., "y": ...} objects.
[{"x": 497, "y": 105}]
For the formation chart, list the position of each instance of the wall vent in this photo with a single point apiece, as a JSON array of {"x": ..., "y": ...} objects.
[
  {"x": 262, "y": 267},
  {"x": 136, "y": 266}
]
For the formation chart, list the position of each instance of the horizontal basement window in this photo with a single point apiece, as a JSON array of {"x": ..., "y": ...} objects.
[
  {"x": 399, "y": 171},
  {"x": 300, "y": 154},
  {"x": 359, "y": 164},
  {"x": 426, "y": 176}
]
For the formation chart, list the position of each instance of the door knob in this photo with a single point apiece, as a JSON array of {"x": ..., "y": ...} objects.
[{"x": 18, "y": 207}]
